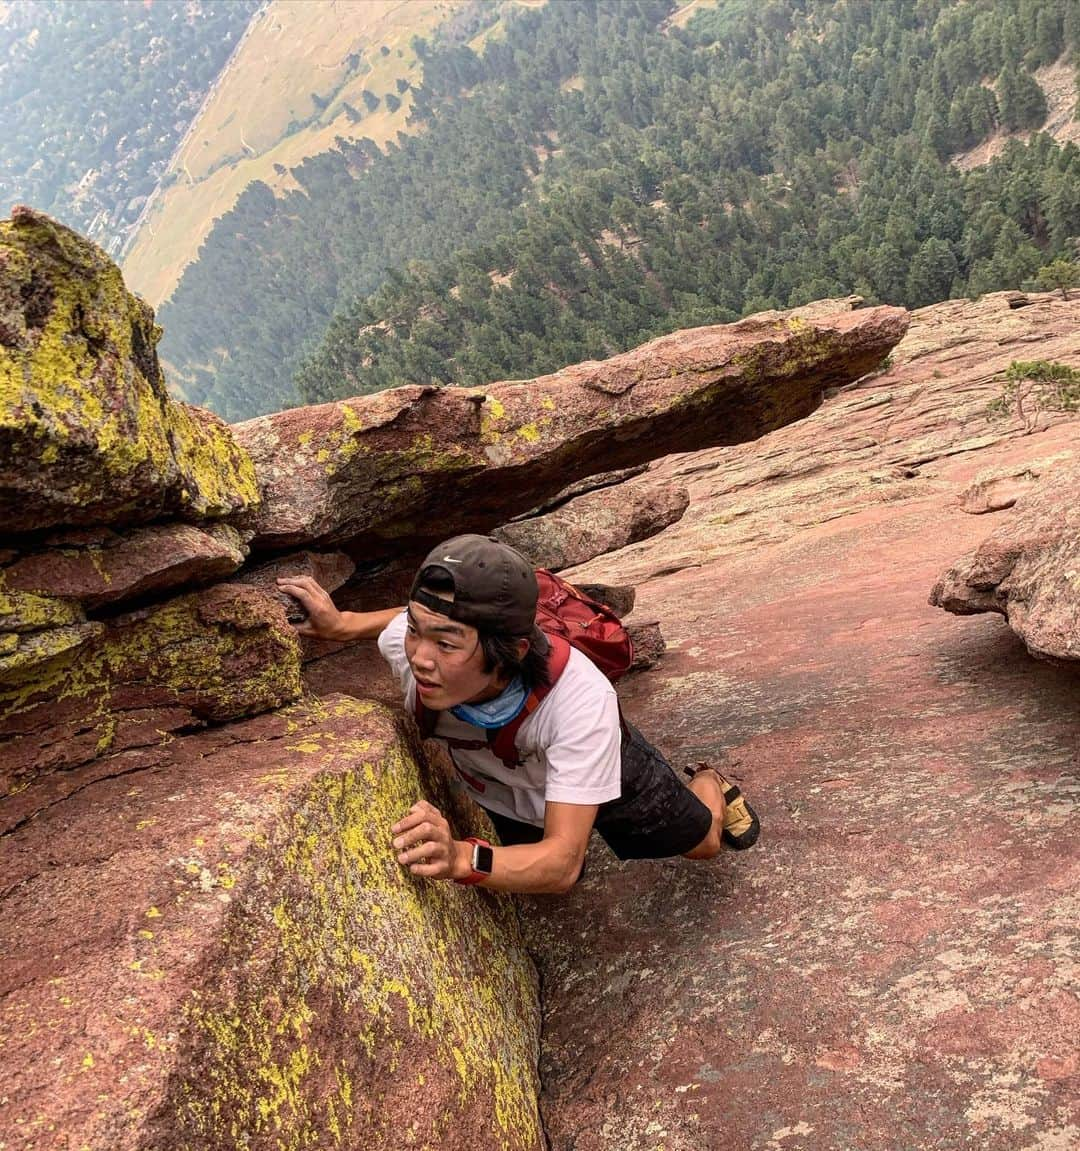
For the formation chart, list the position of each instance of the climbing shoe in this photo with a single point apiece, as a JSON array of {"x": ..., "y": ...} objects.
[{"x": 741, "y": 824}]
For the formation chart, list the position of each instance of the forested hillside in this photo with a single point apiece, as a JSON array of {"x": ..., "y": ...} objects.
[
  {"x": 599, "y": 176},
  {"x": 96, "y": 94}
]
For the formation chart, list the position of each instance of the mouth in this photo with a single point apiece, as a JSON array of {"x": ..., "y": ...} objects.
[{"x": 425, "y": 687}]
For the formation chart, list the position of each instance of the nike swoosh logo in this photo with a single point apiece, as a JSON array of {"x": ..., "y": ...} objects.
[{"x": 448, "y": 560}]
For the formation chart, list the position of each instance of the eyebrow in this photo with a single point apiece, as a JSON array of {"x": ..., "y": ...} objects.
[{"x": 453, "y": 629}]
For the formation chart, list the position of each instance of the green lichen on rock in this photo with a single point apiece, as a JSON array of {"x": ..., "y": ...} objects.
[
  {"x": 21, "y": 656},
  {"x": 217, "y": 475},
  {"x": 345, "y": 976},
  {"x": 22, "y": 611},
  {"x": 220, "y": 654},
  {"x": 88, "y": 432}
]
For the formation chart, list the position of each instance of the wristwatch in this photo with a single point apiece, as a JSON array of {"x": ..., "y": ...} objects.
[{"x": 482, "y": 861}]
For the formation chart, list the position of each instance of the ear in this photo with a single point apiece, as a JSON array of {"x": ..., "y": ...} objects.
[{"x": 522, "y": 647}]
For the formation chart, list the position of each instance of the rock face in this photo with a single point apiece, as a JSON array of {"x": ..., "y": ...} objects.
[
  {"x": 101, "y": 566},
  {"x": 400, "y": 470},
  {"x": 596, "y": 522},
  {"x": 891, "y": 966},
  {"x": 88, "y": 434},
  {"x": 75, "y": 692},
  {"x": 1028, "y": 570},
  {"x": 228, "y": 957},
  {"x": 206, "y": 940}
]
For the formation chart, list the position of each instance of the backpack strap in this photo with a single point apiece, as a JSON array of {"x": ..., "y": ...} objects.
[{"x": 500, "y": 740}]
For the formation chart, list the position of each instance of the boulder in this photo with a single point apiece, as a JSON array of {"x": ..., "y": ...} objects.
[
  {"x": 402, "y": 469},
  {"x": 648, "y": 643},
  {"x": 70, "y": 694},
  {"x": 211, "y": 945},
  {"x": 1028, "y": 570},
  {"x": 619, "y": 597},
  {"x": 596, "y": 522},
  {"x": 99, "y": 566},
  {"x": 88, "y": 433}
]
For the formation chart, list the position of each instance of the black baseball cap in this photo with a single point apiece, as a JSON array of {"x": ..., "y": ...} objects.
[{"x": 495, "y": 586}]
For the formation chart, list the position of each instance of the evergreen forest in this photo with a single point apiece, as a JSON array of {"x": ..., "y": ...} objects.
[
  {"x": 600, "y": 175},
  {"x": 96, "y": 96}
]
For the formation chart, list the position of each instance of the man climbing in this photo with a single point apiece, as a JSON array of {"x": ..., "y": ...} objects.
[{"x": 468, "y": 656}]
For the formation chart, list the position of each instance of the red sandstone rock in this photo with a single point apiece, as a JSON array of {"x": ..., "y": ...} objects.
[
  {"x": 329, "y": 569},
  {"x": 648, "y": 643},
  {"x": 841, "y": 984},
  {"x": 206, "y": 657},
  {"x": 101, "y": 566},
  {"x": 88, "y": 432},
  {"x": 397, "y": 471},
  {"x": 1028, "y": 570},
  {"x": 885, "y": 969},
  {"x": 211, "y": 945},
  {"x": 994, "y": 491},
  {"x": 596, "y": 522},
  {"x": 883, "y": 440}
]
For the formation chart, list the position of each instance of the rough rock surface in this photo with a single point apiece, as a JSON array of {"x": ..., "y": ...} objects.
[
  {"x": 879, "y": 441},
  {"x": 399, "y": 470},
  {"x": 99, "y": 566},
  {"x": 206, "y": 945},
  {"x": 894, "y": 965},
  {"x": 78, "y": 692},
  {"x": 596, "y": 522},
  {"x": 995, "y": 491},
  {"x": 88, "y": 433},
  {"x": 329, "y": 569},
  {"x": 1028, "y": 570}
]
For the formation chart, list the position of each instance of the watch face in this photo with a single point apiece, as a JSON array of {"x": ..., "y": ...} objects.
[{"x": 482, "y": 859}]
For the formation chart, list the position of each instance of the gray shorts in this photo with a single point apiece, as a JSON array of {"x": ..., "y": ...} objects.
[{"x": 655, "y": 817}]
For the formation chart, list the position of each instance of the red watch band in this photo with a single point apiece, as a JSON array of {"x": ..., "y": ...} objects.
[{"x": 475, "y": 876}]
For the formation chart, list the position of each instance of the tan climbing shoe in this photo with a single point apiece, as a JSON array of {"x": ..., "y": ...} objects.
[{"x": 741, "y": 824}]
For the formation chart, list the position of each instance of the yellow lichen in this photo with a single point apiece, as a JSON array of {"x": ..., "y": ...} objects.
[
  {"x": 132, "y": 449},
  {"x": 348, "y": 932}
]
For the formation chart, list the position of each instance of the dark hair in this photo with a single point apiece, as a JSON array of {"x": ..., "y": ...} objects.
[{"x": 500, "y": 649}]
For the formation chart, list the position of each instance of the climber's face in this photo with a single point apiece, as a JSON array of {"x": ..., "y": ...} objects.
[{"x": 447, "y": 660}]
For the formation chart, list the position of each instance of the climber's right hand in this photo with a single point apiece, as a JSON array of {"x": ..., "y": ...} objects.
[{"x": 324, "y": 621}]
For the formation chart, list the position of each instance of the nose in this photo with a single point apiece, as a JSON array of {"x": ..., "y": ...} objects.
[{"x": 423, "y": 657}]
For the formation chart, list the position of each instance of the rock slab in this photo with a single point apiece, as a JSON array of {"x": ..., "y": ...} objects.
[
  {"x": 73, "y": 693},
  {"x": 596, "y": 522},
  {"x": 396, "y": 472},
  {"x": 212, "y": 946}
]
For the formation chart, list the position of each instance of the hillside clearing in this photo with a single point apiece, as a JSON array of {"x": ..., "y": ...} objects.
[
  {"x": 261, "y": 113},
  {"x": 1058, "y": 82}
]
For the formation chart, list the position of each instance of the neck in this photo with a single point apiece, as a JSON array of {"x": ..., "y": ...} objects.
[{"x": 492, "y": 691}]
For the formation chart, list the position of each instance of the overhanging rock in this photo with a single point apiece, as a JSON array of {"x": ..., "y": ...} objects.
[{"x": 397, "y": 471}]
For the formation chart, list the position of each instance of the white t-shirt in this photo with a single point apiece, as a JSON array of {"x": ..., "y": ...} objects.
[{"x": 569, "y": 747}]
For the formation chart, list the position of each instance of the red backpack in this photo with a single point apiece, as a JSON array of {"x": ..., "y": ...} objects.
[{"x": 569, "y": 619}]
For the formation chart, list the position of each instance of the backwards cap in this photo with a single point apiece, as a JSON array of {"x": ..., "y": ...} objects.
[{"x": 495, "y": 586}]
